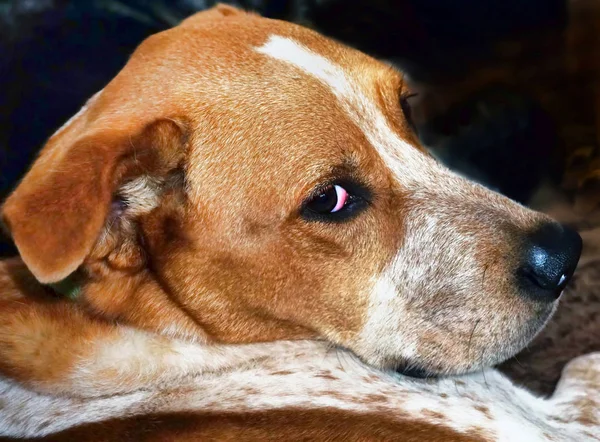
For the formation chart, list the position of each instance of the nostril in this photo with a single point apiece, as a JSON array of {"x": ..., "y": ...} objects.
[
  {"x": 551, "y": 255},
  {"x": 544, "y": 281}
]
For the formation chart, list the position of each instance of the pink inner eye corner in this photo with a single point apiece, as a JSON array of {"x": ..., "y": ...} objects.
[{"x": 342, "y": 198}]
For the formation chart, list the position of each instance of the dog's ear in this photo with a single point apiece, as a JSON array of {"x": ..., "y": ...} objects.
[{"x": 60, "y": 208}]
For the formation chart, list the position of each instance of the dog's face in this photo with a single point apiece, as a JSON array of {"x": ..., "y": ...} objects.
[{"x": 262, "y": 182}]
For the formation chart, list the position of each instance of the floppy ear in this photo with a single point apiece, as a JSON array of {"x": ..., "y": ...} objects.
[{"x": 58, "y": 211}]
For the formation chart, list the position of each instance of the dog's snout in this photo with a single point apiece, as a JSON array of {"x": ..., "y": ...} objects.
[{"x": 551, "y": 254}]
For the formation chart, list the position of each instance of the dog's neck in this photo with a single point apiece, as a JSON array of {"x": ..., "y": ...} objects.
[
  {"x": 148, "y": 302},
  {"x": 105, "y": 356}
]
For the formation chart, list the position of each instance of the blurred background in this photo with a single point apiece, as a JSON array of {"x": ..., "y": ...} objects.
[{"x": 504, "y": 90}]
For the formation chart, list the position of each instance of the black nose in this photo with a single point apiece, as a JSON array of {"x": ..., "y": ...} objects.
[{"x": 551, "y": 254}]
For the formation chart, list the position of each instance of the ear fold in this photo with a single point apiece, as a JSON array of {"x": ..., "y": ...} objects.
[{"x": 58, "y": 211}]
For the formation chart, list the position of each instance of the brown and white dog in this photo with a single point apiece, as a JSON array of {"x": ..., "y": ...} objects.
[{"x": 255, "y": 245}]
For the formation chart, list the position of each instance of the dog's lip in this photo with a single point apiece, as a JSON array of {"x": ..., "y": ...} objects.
[{"x": 414, "y": 371}]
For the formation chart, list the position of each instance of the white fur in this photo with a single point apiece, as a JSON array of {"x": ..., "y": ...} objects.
[
  {"x": 145, "y": 360},
  {"x": 141, "y": 195}
]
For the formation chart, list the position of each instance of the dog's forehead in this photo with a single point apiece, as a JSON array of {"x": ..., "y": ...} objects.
[
  {"x": 249, "y": 86},
  {"x": 243, "y": 33},
  {"x": 255, "y": 71},
  {"x": 252, "y": 49}
]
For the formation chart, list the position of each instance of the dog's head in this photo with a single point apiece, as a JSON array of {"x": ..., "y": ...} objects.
[{"x": 251, "y": 180}]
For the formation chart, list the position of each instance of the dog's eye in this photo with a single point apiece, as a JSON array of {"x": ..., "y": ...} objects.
[
  {"x": 331, "y": 199},
  {"x": 336, "y": 201},
  {"x": 406, "y": 106}
]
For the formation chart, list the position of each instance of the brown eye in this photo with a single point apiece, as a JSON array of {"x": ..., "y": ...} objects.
[{"x": 330, "y": 200}]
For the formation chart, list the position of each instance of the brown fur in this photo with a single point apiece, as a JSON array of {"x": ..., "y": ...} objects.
[{"x": 277, "y": 425}]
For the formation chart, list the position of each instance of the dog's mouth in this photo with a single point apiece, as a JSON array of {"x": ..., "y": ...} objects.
[
  {"x": 414, "y": 371},
  {"x": 430, "y": 366}
]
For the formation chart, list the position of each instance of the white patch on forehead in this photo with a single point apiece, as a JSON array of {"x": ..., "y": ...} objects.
[{"x": 408, "y": 164}]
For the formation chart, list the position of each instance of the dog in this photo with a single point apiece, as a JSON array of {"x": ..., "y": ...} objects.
[{"x": 240, "y": 238}]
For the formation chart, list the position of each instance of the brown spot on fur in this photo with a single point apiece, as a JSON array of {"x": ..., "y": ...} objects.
[
  {"x": 373, "y": 398},
  {"x": 587, "y": 411},
  {"x": 587, "y": 418},
  {"x": 433, "y": 415},
  {"x": 480, "y": 432},
  {"x": 485, "y": 410},
  {"x": 251, "y": 390},
  {"x": 336, "y": 394},
  {"x": 369, "y": 379},
  {"x": 326, "y": 375},
  {"x": 43, "y": 425}
]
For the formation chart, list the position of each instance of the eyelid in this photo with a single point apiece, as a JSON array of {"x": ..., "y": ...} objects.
[
  {"x": 353, "y": 186},
  {"x": 407, "y": 107},
  {"x": 358, "y": 191}
]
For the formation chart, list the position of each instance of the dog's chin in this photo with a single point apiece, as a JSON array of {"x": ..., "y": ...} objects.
[
  {"x": 512, "y": 345},
  {"x": 421, "y": 371}
]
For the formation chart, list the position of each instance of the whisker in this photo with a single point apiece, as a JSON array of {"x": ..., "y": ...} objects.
[{"x": 471, "y": 338}]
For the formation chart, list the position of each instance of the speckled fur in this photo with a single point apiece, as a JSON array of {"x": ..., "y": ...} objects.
[{"x": 308, "y": 376}]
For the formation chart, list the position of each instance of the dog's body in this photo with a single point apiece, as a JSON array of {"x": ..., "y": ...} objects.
[
  {"x": 244, "y": 198},
  {"x": 152, "y": 388}
]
